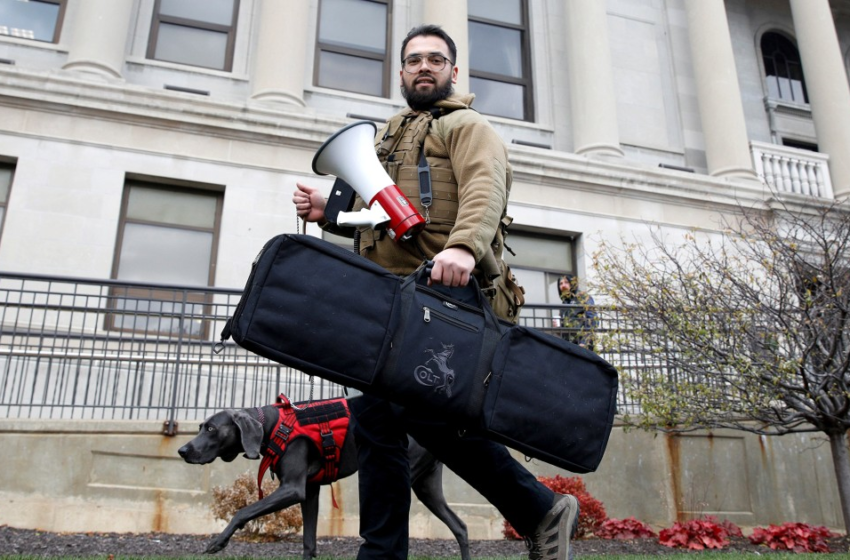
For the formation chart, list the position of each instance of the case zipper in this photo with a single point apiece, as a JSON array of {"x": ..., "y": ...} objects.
[{"x": 428, "y": 312}]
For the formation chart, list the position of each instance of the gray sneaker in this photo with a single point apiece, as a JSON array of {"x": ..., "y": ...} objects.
[{"x": 551, "y": 539}]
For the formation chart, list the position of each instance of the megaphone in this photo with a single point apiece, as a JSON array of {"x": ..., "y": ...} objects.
[{"x": 350, "y": 155}]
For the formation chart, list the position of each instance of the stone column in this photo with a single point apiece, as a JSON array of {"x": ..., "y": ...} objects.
[
  {"x": 727, "y": 148},
  {"x": 99, "y": 37},
  {"x": 452, "y": 16},
  {"x": 280, "y": 60},
  {"x": 826, "y": 83},
  {"x": 593, "y": 102}
]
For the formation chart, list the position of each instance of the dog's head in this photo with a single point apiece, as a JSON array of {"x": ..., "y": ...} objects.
[{"x": 225, "y": 434}]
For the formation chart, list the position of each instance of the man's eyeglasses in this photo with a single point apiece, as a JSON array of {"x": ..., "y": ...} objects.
[{"x": 435, "y": 61}]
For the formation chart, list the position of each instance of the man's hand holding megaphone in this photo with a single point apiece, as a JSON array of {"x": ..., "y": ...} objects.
[
  {"x": 309, "y": 203},
  {"x": 452, "y": 266}
]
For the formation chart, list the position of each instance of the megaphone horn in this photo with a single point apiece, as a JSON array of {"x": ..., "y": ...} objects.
[{"x": 350, "y": 155}]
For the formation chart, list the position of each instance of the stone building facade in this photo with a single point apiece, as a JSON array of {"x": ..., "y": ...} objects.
[{"x": 160, "y": 140}]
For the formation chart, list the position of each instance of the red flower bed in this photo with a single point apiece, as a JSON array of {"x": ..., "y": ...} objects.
[
  {"x": 797, "y": 537},
  {"x": 623, "y": 529},
  {"x": 697, "y": 534}
]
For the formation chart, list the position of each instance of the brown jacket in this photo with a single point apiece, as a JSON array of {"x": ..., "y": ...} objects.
[{"x": 470, "y": 178}]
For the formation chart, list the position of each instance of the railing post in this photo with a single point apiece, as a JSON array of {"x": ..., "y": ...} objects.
[{"x": 170, "y": 426}]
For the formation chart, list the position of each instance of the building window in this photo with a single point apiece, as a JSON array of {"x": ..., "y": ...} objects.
[
  {"x": 800, "y": 144},
  {"x": 500, "y": 58},
  {"x": 538, "y": 261},
  {"x": 168, "y": 237},
  {"x": 39, "y": 20},
  {"x": 783, "y": 69},
  {"x": 7, "y": 172},
  {"x": 194, "y": 32},
  {"x": 353, "y": 44}
]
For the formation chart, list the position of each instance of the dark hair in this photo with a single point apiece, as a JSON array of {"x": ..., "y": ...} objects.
[
  {"x": 571, "y": 278},
  {"x": 436, "y": 31}
]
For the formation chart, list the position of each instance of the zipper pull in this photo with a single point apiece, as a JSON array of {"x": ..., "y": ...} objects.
[
  {"x": 427, "y": 317},
  {"x": 225, "y": 334}
]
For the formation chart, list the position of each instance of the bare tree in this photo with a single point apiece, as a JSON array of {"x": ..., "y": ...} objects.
[{"x": 748, "y": 328}]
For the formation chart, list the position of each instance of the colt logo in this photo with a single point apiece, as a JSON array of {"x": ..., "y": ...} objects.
[{"x": 436, "y": 372}]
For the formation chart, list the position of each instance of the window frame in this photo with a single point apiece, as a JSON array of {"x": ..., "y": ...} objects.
[
  {"x": 526, "y": 80},
  {"x": 60, "y": 19},
  {"x": 561, "y": 237},
  {"x": 4, "y": 204},
  {"x": 386, "y": 73},
  {"x": 767, "y": 77},
  {"x": 157, "y": 18},
  {"x": 148, "y": 290}
]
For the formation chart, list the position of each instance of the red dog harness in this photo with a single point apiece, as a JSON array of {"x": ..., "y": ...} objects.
[{"x": 325, "y": 423}]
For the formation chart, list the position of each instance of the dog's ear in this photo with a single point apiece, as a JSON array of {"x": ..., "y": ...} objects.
[
  {"x": 252, "y": 433},
  {"x": 229, "y": 457}
]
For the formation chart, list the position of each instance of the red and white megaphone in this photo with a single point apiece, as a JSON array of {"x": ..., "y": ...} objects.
[{"x": 350, "y": 155}]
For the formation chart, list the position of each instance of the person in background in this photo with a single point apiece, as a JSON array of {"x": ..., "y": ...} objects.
[{"x": 578, "y": 317}]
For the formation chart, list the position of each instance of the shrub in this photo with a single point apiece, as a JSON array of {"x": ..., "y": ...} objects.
[
  {"x": 592, "y": 510},
  {"x": 281, "y": 525},
  {"x": 798, "y": 537},
  {"x": 731, "y": 529},
  {"x": 623, "y": 529},
  {"x": 697, "y": 534}
]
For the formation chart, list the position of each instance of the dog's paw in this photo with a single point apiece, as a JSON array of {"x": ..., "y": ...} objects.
[{"x": 216, "y": 545}]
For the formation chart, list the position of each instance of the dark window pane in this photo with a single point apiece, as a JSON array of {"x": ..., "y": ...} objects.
[
  {"x": 508, "y": 11},
  {"x": 498, "y": 98},
  {"x": 351, "y": 73},
  {"x": 495, "y": 49},
  {"x": 29, "y": 19},
  {"x": 354, "y": 24},
  {"x": 210, "y": 11},
  {"x": 189, "y": 45}
]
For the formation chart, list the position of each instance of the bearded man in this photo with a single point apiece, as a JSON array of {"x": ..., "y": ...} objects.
[{"x": 470, "y": 177}]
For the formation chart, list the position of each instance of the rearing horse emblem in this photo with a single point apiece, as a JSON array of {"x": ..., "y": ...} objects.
[{"x": 436, "y": 371}]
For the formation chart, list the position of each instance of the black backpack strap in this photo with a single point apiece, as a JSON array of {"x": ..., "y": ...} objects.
[{"x": 426, "y": 195}]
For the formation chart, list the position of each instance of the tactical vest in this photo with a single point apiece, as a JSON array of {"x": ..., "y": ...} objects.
[{"x": 400, "y": 150}]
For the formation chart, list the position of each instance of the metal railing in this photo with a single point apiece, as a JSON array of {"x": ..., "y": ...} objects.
[{"x": 100, "y": 349}]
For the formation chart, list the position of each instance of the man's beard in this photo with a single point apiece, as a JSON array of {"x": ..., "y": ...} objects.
[{"x": 421, "y": 101}]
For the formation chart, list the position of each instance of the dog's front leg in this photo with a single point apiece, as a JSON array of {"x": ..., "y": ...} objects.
[
  {"x": 293, "y": 481},
  {"x": 310, "y": 516}
]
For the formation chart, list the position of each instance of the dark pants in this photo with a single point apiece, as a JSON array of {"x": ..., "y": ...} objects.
[{"x": 381, "y": 431}]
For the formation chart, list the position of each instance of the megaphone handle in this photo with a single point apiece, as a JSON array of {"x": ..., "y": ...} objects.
[{"x": 371, "y": 217}]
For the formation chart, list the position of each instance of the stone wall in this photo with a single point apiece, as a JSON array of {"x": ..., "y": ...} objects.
[{"x": 125, "y": 476}]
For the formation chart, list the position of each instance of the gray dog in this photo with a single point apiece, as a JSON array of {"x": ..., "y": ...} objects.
[{"x": 228, "y": 433}]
